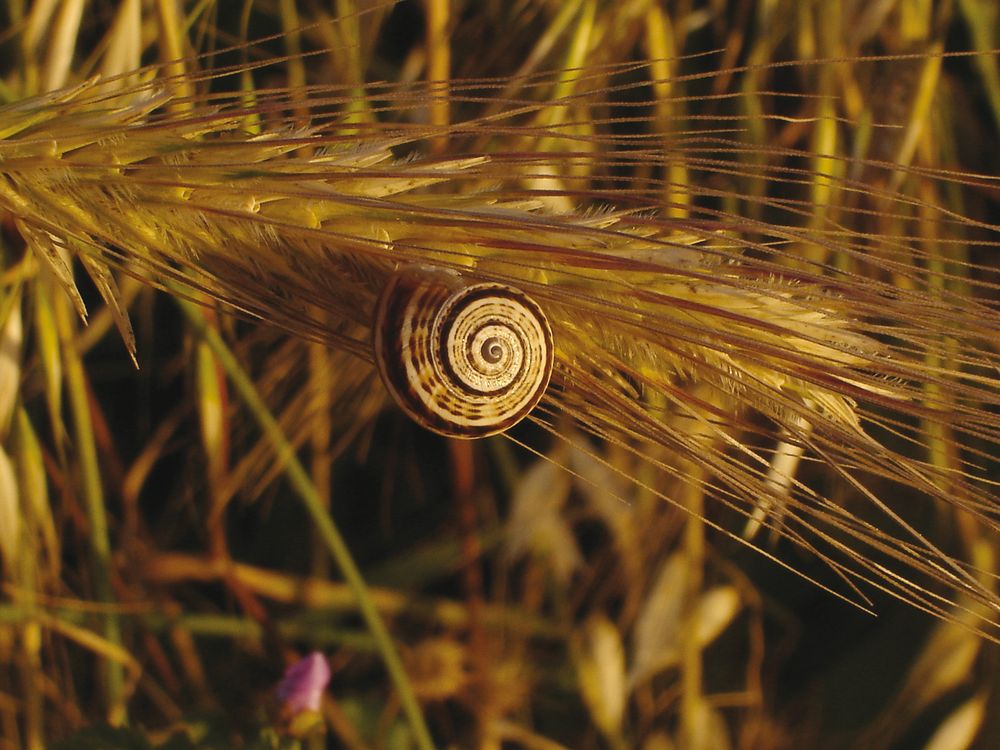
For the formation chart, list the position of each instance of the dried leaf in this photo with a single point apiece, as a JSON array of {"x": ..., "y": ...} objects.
[
  {"x": 709, "y": 731},
  {"x": 124, "y": 45},
  {"x": 10, "y": 515},
  {"x": 600, "y": 668},
  {"x": 10, "y": 364},
  {"x": 944, "y": 663},
  {"x": 537, "y": 527},
  {"x": 658, "y": 629},
  {"x": 604, "y": 491},
  {"x": 959, "y": 730},
  {"x": 50, "y": 354},
  {"x": 715, "y": 610},
  {"x": 211, "y": 411},
  {"x": 35, "y": 493}
]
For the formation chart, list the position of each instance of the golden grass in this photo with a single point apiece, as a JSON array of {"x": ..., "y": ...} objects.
[{"x": 764, "y": 234}]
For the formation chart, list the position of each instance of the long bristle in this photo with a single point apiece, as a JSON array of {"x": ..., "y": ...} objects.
[{"x": 822, "y": 324}]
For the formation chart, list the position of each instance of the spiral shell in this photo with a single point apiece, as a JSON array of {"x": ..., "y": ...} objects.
[{"x": 463, "y": 361}]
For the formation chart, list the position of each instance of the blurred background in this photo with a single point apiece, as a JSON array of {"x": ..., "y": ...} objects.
[{"x": 159, "y": 571}]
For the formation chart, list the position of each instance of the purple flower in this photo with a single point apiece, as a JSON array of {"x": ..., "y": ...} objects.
[{"x": 301, "y": 689}]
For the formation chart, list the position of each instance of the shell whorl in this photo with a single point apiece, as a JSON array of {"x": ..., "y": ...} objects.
[{"x": 463, "y": 361}]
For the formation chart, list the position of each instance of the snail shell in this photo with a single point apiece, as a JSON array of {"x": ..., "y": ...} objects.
[{"x": 463, "y": 361}]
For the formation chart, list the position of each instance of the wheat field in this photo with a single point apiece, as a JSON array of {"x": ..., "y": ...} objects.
[{"x": 755, "y": 505}]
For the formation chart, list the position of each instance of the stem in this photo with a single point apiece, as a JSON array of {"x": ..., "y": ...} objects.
[
  {"x": 93, "y": 496},
  {"x": 324, "y": 526}
]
